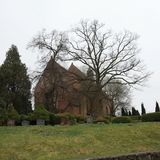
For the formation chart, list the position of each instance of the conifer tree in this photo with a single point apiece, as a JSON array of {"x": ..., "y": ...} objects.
[
  {"x": 15, "y": 83},
  {"x": 157, "y": 109},
  {"x": 135, "y": 112},
  {"x": 143, "y": 110},
  {"x": 124, "y": 112},
  {"x": 129, "y": 113}
]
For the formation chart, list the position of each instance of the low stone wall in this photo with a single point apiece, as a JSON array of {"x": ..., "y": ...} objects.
[{"x": 138, "y": 156}]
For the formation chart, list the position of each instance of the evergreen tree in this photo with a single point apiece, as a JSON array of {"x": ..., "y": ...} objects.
[
  {"x": 15, "y": 83},
  {"x": 129, "y": 113},
  {"x": 124, "y": 112},
  {"x": 135, "y": 112},
  {"x": 143, "y": 109},
  {"x": 157, "y": 109}
]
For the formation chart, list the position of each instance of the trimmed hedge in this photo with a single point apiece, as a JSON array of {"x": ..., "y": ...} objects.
[
  {"x": 151, "y": 117},
  {"x": 122, "y": 120},
  {"x": 135, "y": 118}
]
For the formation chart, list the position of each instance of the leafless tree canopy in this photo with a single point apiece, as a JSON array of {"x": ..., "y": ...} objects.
[
  {"x": 52, "y": 44},
  {"x": 53, "y": 47},
  {"x": 120, "y": 95},
  {"x": 110, "y": 56}
]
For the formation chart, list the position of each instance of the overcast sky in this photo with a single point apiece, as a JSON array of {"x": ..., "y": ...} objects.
[{"x": 20, "y": 20}]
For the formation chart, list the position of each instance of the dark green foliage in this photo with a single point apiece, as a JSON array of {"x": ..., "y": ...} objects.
[
  {"x": 129, "y": 113},
  {"x": 157, "y": 109},
  {"x": 151, "y": 117},
  {"x": 143, "y": 109},
  {"x": 40, "y": 113},
  {"x": 124, "y": 112},
  {"x": 136, "y": 118},
  {"x": 80, "y": 119},
  {"x": 12, "y": 113},
  {"x": 3, "y": 114},
  {"x": 135, "y": 112},
  {"x": 121, "y": 120},
  {"x": 15, "y": 84},
  {"x": 54, "y": 119},
  {"x": 67, "y": 118},
  {"x": 24, "y": 117}
]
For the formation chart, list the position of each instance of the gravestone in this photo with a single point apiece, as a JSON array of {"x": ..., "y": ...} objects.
[
  {"x": 40, "y": 122},
  {"x": 25, "y": 123}
]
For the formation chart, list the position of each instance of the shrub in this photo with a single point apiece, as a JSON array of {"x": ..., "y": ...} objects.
[
  {"x": 3, "y": 114},
  {"x": 24, "y": 117},
  {"x": 67, "y": 118},
  {"x": 151, "y": 117},
  {"x": 12, "y": 114},
  {"x": 101, "y": 120},
  {"x": 121, "y": 120},
  {"x": 54, "y": 119},
  {"x": 40, "y": 113},
  {"x": 80, "y": 119},
  {"x": 135, "y": 118}
]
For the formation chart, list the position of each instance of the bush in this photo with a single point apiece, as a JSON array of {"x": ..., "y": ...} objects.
[
  {"x": 101, "y": 120},
  {"x": 80, "y": 119},
  {"x": 3, "y": 114},
  {"x": 151, "y": 117},
  {"x": 54, "y": 119},
  {"x": 40, "y": 113},
  {"x": 67, "y": 118},
  {"x": 12, "y": 114},
  {"x": 135, "y": 118},
  {"x": 121, "y": 120},
  {"x": 24, "y": 117}
]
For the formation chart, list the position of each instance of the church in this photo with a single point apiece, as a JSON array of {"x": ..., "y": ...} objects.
[{"x": 61, "y": 90}]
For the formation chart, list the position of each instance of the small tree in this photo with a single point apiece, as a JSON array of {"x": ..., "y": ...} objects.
[
  {"x": 157, "y": 109},
  {"x": 40, "y": 113},
  {"x": 12, "y": 114},
  {"x": 129, "y": 113},
  {"x": 143, "y": 109},
  {"x": 135, "y": 112},
  {"x": 124, "y": 111}
]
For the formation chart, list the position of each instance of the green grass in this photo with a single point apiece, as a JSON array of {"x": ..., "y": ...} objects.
[{"x": 77, "y": 142}]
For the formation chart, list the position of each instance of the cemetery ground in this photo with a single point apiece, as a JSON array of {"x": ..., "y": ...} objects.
[{"x": 77, "y": 142}]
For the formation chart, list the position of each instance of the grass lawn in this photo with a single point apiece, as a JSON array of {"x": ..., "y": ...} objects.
[{"x": 77, "y": 142}]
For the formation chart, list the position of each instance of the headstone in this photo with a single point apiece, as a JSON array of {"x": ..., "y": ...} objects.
[
  {"x": 89, "y": 119},
  {"x": 25, "y": 123},
  {"x": 40, "y": 122},
  {"x": 11, "y": 122}
]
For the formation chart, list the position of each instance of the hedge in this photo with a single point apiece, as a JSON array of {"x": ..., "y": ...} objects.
[
  {"x": 151, "y": 117},
  {"x": 122, "y": 120}
]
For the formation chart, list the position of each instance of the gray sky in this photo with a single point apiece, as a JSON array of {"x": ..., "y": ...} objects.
[{"x": 20, "y": 20}]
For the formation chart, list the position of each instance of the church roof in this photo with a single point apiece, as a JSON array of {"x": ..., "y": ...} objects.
[{"x": 74, "y": 70}]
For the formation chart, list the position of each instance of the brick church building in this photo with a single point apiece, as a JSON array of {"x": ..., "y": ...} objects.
[{"x": 61, "y": 90}]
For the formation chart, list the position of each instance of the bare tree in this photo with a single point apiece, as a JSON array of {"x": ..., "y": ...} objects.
[
  {"x": 111, "y": 57},
  {"x": 120, "y": 96},
  {"x": 52, "y": 46}
]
